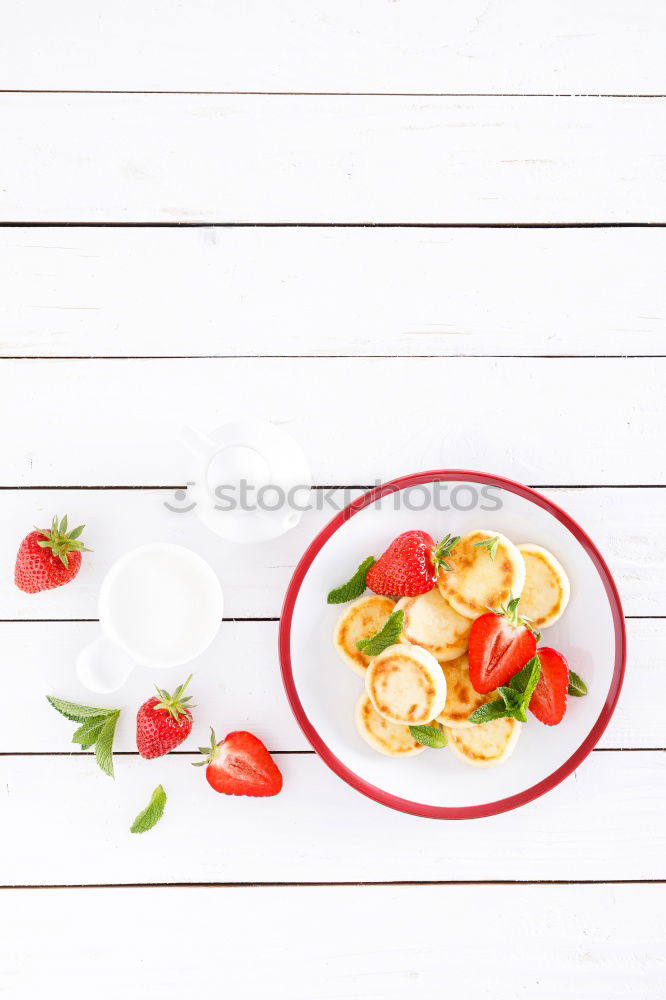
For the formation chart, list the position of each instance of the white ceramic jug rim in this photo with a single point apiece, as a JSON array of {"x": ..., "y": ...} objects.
[{"x": 197, "y": 562}]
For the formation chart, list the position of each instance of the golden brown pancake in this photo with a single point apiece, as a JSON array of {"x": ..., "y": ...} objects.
[
  {"x": 478, "y": 582},
  {"x": 546, "y": 591},
  {"x": 406, "y": 685},
  {"x": 431, "y": 622},
  {"x": 362, "y": 618},
  {"x": 461, "y": 698},
  {"x": 386, "y": 737},
  {"x": 486, "y": 745}
]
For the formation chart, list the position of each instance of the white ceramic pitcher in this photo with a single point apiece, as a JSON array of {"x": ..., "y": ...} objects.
[{"x": 267, "y": 460}]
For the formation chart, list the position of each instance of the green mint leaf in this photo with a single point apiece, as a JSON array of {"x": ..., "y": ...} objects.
[
  {"x": 490, "y": 544},
  {"x": 512, "y": 699},
  {"x": 354, "y": 587},
  {"x": 520, "y": 689},
  {"x": 577, "y": 686},
  {"x": 429, "y": 736},
  {"x": 152, "y": 814},
  {"x": 77, "y": 713},
  {"x": 515, "y": 703},
  {"x": 104, "y": 744},
  {"x": 535, "y": 672},
  {"x": 491, "y": 710},
  {"x": 520, "y": 680},
  {"x": 88, "y": 733},
  {"x": 389, "y": 634}
]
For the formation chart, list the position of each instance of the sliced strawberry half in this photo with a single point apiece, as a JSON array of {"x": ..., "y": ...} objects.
[
  {"x": 549, "y": 700},
  {"x": 500, "y": 644},
  {"x": 240, "y": 764}
]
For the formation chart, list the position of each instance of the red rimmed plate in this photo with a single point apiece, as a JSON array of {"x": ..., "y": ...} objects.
[{"x": 322, "y": 691}]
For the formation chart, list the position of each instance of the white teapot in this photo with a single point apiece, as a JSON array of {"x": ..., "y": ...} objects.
[{"x": 250, "y": 480}]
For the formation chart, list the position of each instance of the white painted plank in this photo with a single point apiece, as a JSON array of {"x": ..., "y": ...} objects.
[
  {"x": 164, "y": 292},
  {"x": 131, "y": 158},
  {"x": 237, "y": 685},
  {"x": 541, "y": 421},
  {"x": 300, "y": 943},
  {"x": 628, "y": 525},
  {"x": 422, "y": 46},
  {"x": 606, "y": 822}
]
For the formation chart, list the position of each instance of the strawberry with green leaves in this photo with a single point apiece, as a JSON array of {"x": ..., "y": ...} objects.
[
  {"x": 49, "y": 557},
  {"x": 500, "y": 644},
  {"x": 163, "y": 723},
  {"x": 410, "y": 565},
  {"x": 240, "y": 764}
]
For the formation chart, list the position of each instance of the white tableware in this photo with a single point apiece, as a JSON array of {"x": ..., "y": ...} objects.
[
  {"x": 322, "y": 691},
  {"x": 160, "y": 605},
  {"x": 250, "y": 480}
]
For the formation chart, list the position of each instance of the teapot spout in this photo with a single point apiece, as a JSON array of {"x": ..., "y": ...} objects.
[{"x": 198, "y": 443}]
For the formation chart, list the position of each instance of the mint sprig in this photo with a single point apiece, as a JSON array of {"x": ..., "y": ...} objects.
[
  {"x": 354, "y": 587},
  {"x": 577, "y": 686},
  {"x": 429, "y": 736},
  {"x": 490, "y": 544},
  {"x": 387, "y": 636},
  {"x": 152, "y": 814},
  {"x": 97, "y": 729},
  {"x": 514, "y": 698}
]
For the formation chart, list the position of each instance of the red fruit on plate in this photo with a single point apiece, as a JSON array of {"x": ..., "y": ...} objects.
[
  {"x": 240, "y": 764},
  {"x": 410, "y": 565},
  {"x": 49, "y": 557},
  {"x": 500, "y": 644},
  {"x": 163, "y": 723},
  {"x": 549, "y": 700}
]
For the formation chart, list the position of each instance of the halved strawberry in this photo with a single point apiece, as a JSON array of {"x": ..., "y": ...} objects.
[
  {"x": 240, "y": 764},
  {"x": 549, "y": 701},
  {"x": 410, "y": 565},
  {"x": 500, "y": 644}
]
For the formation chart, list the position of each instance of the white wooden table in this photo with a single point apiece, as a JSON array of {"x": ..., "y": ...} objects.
[{"x": 334, "y": 216}]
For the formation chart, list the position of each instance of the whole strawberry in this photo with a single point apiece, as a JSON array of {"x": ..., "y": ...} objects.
[
  {"x": 163, "y": 723},
  {"x": 410, "y": 565},
  {"x": 49, "y": 557}
]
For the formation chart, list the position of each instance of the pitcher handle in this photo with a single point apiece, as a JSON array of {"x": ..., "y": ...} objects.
[{"x": 102, "y": 666}]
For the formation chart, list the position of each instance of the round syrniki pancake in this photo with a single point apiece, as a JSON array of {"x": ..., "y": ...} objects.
[
  {"x": 461, "y": 698},
  {"x": 361, "y": 619},
  {"x": 546, "y": 591},
  {"x": 387, "y": 737},
  {"x": 431, "y": 622},
  {"x": 486, "y": 745},
  {"x": 477, "y": 581},
  {"x": 406, "y": 684}
]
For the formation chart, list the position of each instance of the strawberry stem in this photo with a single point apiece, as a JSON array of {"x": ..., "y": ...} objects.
[
  {"x": 60, "y": 541},
  {"x": 510, "y": 612},
  {"x": 174, "y": 703},
  {"x": 209, "y": 753},
  {"x": 444, "y": 549}
]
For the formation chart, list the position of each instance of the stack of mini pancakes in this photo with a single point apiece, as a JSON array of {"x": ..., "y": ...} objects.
[{"x": 424, "y": 677}]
